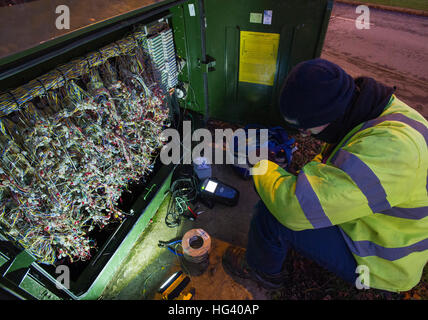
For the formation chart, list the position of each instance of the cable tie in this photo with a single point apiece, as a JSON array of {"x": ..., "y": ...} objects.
[
  {"x": 14, "y": 99},
  {"x": 135, "y": 40},
  {"x": 63, "y": 76},
  {"x": 118, "y": 45},
  {"x": 101, "y": 55},
  {"x": 44, "y": 88},
  {"x": 87, "y": 62}
]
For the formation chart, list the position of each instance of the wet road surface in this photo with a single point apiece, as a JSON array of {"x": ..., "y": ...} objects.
[{"x": 394, "y": 50}]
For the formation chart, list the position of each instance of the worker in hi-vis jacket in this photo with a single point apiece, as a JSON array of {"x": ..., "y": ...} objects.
[{"x": 360, "y": 208}]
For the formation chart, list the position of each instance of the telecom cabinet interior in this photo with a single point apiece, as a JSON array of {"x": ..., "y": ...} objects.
[{"x": 81, "y": 120}]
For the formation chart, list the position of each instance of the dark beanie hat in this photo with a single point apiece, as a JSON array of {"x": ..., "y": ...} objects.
[{"x": 315, "y": 93}]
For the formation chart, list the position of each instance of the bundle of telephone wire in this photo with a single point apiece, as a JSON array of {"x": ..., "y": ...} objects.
[{"x": 183, "y": 192}]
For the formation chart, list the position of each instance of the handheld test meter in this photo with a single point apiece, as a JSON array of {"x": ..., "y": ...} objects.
[{"x": 213, "y": 190}]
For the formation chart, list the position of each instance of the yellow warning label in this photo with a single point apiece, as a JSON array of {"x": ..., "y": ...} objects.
[{"x": 257, "y": 58}]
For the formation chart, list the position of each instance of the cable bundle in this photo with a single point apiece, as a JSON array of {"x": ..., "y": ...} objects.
[
  {"x": 16, "y": 99},
  {"x": 183, "y": 191},
  {"x": 70, "y": 145}
]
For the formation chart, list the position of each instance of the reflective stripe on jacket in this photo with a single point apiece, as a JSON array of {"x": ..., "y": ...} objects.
[{"x": 374, "y": 186}]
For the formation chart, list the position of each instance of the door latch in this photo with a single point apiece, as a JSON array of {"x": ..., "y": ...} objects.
[{"x": 208, "y": 65}]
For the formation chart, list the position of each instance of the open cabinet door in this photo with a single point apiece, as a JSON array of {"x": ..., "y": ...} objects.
[{"x": 250, "y": 47}]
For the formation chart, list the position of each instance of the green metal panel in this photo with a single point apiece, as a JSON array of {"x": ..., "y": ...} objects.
[
  {"x": 100, "y": 283},
  {"x": 301, "y": 25},
  {"x": 53, "y": 41},
  {"x": 97, "y": 286},
  {"x": 22, "y": 260},
  {"x": 23, "y": 66},
  {"x": 187, "y": 37},
  {"x": 37, "y": 290},
  {"x": 3, "y": 260}
]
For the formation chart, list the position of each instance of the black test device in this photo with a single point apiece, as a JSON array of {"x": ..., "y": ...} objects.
[{"x": 212, "y": 190}]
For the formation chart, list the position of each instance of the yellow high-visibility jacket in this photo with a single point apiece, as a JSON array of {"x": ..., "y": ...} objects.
[{"x": 374, "y": 187}]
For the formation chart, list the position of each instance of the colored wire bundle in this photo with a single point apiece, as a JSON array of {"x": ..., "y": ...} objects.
[
  {"x": 16, "y": 99},
  {"x": 183, "y": 191},
  {"x": 71, "y": 142}
]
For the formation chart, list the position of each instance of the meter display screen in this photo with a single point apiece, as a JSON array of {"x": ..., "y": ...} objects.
[{"x": 211, "y": 185}]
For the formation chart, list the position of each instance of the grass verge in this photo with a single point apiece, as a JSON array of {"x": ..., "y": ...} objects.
[{"x": 408, "y": 4}]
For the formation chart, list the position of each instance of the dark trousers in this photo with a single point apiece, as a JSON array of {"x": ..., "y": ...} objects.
[{"x": 269, "y": 241}]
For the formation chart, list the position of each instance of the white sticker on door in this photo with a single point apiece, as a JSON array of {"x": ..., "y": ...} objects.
[
  {"x": 267, "y": 17},
  {"x": 192, "y": 9}
]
